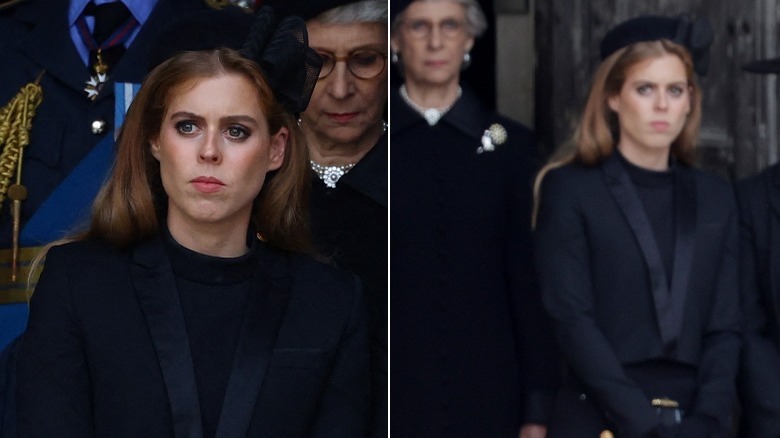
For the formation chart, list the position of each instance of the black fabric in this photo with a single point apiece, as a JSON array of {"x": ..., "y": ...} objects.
[
  {"x": 201, "y": 30},
  {"x": 279, "y": 46},
  {"x": 656, "y": 191},
  {"x": 349, "y": 226},
  {"x": 759, "y": 380},
  {"x": 472, "y": 350},
  {"x": 598, "y": 289},
  {"x": 213, "y": 293},
  {"x": 108, "y": 18},
  {"x": 106, "y": 333},
  {"x": 8, "y": 389},
  {"x": 695, "y": 34}
]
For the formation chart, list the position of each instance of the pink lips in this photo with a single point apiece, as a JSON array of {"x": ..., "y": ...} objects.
[
  {"x": 207, "y": 184},
  {"x": 660, "y": 126},
  {"x": 342, "y": 117}
]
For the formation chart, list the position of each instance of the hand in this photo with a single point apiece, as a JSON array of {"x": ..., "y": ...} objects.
[{"x": 533, "y": 431}]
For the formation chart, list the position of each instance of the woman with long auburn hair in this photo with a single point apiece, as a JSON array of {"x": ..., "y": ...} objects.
[
  {"x": 636, "y": 249},
  {"x": 189, "y": 307}
]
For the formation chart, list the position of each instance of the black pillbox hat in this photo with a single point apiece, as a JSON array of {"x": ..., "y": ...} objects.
[{"x": 694, "y": 34}]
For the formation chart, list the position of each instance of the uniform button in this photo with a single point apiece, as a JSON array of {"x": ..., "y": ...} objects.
[
  {"x": 606, "y": 434},
  {"x": 98, "y": 126},
  {"x": 583, "y": 397}
]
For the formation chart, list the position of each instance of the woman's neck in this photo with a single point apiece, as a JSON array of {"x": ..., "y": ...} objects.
[{"x": 326, "y": 152}]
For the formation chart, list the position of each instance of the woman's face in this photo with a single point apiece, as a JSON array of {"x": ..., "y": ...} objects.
[
  {"x": 214, "y": 150},
  {"x": 346, "y": 109},
  {"x": 431, "y": 39},
  {"x": 652, "y": 105}
]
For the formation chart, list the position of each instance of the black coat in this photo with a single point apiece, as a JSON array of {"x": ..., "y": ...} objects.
[
  {"x": 349, "y": 225},
  {"x": 465, "y": 313},
  {"x": 759, "y": 205},
  {"x": 603, "y": 283},
  {"x": 106, "y": 350}
]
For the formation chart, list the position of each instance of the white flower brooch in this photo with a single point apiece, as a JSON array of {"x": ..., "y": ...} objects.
[{"x": 492, "y": 137}]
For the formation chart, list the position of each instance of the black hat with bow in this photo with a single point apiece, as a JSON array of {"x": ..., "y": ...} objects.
[
  {"x": 279, "y": 46},
  {"x": 695, "y": 34}
]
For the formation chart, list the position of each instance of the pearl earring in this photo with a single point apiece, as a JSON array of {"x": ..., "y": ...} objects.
[{"x": 466, "y": 61}]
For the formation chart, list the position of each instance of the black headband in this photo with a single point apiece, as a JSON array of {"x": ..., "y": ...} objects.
[{"x": 695, "y": 35}]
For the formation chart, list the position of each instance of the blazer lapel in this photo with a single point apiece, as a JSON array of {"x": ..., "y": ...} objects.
[
  {"x": 685, "y": 224},
  {"x": 623, "y": 191},
  {"x": 266, "y": 306},
  {"x": 155, "y": 287}
]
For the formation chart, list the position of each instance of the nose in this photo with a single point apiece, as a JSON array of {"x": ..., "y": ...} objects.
[
  {"x": 341, "y": 81},
  {"x": 209, "y": 150},
  {"x": 662, "y": 101},
  {"x": 435, "y": 38}
]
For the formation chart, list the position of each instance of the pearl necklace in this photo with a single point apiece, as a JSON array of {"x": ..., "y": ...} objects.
[
  {"x": 330, "y": 175},
  {"x": 431, "y": 115}
]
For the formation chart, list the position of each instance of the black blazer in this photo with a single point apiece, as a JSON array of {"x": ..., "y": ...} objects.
[
  {"x": 759, "y": 211},
  {"x": 106, "y": 350},
  {"x": 601, "y": 283}
]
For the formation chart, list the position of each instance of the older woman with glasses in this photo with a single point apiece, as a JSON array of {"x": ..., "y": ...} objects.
[
  {"x": 472, "y": 355},
  {"x": 345, "y": 130}
]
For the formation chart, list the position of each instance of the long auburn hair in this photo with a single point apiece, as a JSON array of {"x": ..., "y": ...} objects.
[
  {"x": 597, "y": 133},
  {"x": 132, "y": 202}
]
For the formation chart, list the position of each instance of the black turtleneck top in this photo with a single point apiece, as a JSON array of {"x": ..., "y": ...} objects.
[
  {"x": 656, "y": 191},
  {"x": 213, "y": 291}
]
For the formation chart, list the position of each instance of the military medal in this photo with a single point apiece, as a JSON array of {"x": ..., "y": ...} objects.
[{"x": 96, "y": 82}]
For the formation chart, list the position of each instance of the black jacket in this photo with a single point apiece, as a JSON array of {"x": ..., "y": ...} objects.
[
  {"x": 106, "y": 350},
  {"x": 604, "y": 285}
]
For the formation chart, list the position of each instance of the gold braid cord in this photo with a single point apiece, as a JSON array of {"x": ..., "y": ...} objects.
[{"x": 15, "y": 123}]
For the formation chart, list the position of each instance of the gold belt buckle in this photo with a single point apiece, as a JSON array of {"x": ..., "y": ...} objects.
[{"x": 664, "y": 402}]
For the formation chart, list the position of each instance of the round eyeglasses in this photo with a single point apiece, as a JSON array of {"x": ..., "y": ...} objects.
[
  {"x": 364, "y": 64},
  {"x": 449, "y": 27}
]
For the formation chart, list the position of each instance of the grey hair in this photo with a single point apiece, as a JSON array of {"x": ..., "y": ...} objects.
[
  {"x": 475, "y": 17},
  {"x": 365, "y": 11}
]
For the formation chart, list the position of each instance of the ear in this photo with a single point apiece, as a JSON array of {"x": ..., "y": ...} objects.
[
  {"x": 469, "y": 44},
  {"x": 614, "y": 103},
  {"x": 154, "y": 146},
  {"x": 277, "y": 149}
]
